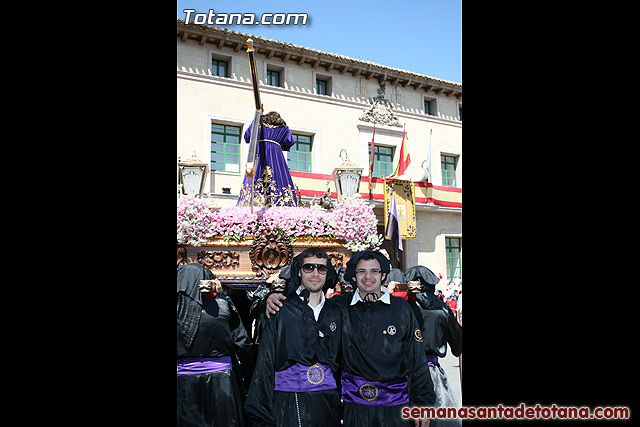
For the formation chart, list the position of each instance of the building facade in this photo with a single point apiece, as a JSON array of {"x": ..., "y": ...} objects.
[{"x": 327, "y": 101}]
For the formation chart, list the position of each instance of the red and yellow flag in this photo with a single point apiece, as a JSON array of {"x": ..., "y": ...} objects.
[{"x": 403, "y": 161}]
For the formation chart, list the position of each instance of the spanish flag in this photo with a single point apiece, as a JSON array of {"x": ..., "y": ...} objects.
[{"x": 403, "y": 161}]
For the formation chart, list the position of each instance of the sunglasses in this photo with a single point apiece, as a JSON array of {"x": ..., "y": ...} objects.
[{"x": 309, "y": 267}]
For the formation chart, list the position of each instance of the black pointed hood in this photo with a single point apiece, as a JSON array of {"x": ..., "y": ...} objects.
[{"x": 427, "y": 278}]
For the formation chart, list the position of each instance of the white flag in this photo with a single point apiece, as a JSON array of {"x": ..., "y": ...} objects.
[{"x": 427, "y": 172}]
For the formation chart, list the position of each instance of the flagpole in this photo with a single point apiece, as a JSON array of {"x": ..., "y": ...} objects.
[
  {"x": 371, "y": 159},
  {"x": 401, "y": 159},
  {"x": 402, "y": 149},
  {"x": 429, "y": 155}
]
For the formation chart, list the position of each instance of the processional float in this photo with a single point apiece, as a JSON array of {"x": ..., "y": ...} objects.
[
  {"x": 255, "y": 128},
  {"x": 249, "y": 262}
]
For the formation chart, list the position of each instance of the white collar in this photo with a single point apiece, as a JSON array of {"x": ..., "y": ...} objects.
[
  {"x": 385, "y": 298},
  {"x": 317, "y": 308}
]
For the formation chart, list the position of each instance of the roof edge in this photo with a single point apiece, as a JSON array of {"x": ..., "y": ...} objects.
[{"x": 267, "y": 42}]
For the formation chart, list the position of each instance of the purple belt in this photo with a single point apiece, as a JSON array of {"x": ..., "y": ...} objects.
[
  {"x": 360, "y": 391},
  {"x": 202, "y": 365},
  {"x": 305, "y": 378},
  {"x": 432, "y": 359}
]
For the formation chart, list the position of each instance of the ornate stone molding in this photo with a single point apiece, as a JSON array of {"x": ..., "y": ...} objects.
[{"x": 381, "y": 111}]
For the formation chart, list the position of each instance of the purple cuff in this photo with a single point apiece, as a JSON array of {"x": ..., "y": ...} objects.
[{"x": 432, "y": 359}]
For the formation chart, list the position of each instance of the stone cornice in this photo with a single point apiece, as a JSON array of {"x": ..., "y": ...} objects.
[
  {"x": 356, "y": 103},
  {"x": 316, "y": 59}
]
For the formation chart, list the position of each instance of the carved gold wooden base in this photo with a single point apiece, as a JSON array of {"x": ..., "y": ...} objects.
[{"x": 248, "y": 263}]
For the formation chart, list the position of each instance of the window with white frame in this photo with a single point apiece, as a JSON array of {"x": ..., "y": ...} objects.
[
  {"x": 219, "y": 65},
  {"x": 225, "y": 148},
  {"x": 430, "y": 106},
  {"x": 449, "y": 165},
  {"x": 382, "y": 160},
  {"x": 323, "y": 84},
  {"x": 453, "y": 247},
  {"x": 299, "y": 155},
  {"x": 275, "y": 75}
]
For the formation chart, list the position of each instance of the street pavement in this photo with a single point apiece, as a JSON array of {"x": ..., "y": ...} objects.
[{"x": 450, "y": 364}]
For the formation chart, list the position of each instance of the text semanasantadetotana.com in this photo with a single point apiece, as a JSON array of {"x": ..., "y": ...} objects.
[{"x": 522, "y": 412}]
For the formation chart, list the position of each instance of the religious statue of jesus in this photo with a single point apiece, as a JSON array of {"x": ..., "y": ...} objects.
[{"x": 273, "y": 185}]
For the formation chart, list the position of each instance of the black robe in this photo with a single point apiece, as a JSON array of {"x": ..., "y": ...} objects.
[
  {"x": 293, "y": 336},
  {"x": 370, "y": 351},
  {"x": 216, "y": 330},
  {"x": 438, "y": 324},
  {"x": 439, "y": 327}
]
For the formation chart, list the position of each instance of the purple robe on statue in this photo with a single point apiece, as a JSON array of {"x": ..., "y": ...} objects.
[{"x": 273, "y": 184}]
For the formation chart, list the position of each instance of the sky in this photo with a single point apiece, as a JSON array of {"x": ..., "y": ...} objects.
[{"x": 422, "y": 36}]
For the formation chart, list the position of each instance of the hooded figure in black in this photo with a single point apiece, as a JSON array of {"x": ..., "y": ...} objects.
[
  {"x": 297, "y": 370},
  {"x": 210, "y": 336},
  {"x": 439, "y": 327},
  {"x": 384, "y": 365},
  {"x": 395, "y": 275}
]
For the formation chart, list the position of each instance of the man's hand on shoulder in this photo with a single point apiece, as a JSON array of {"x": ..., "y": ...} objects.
[{"x": 273, "y": 303}]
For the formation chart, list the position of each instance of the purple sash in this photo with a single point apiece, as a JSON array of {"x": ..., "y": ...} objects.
[
  {"x": 203, "y": 365},
  {"x": 360, "y": 391},
  {"x": 305, "y": 378},
  {"x": 432, "y": 359}
]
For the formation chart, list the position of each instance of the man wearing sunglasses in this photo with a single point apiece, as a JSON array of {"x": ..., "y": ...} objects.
[
  {"x": 293, "y": 383},
  {"x": 384, "y": 365}
]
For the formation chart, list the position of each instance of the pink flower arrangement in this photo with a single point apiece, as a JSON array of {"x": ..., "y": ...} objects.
[
  {"x": 296, "y": 222},
  {"x": 234, "y": 222},
  {"x": 353, "y": 221},
  {"x": 195, "y": 222}
]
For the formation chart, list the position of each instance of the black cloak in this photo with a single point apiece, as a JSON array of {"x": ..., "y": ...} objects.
[
  {"x": 382, "y": 342},
  {"x": 209, "y": 327},
  {"x": 291, "y": 337},
  {"x": 395, "y": 275},
  {"x": 259, "y": 297},
  {"x": 190, "y": 299},
  {"x": 427, "y": 278},
  {"x": 439, "y": 327},
  {"x": 437, "y": 322}
]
